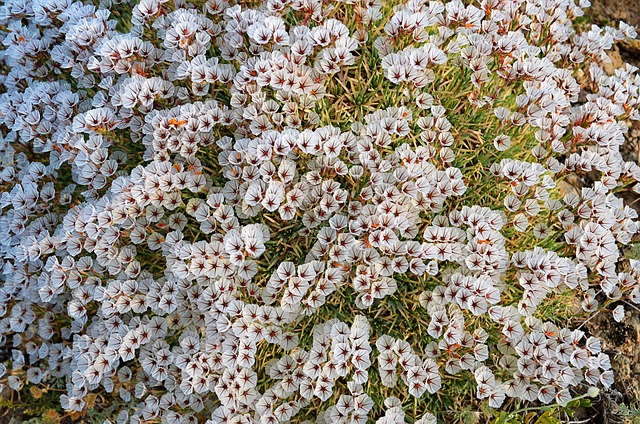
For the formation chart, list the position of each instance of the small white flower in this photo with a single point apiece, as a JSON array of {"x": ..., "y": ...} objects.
[{"x": 618, "y": 313}]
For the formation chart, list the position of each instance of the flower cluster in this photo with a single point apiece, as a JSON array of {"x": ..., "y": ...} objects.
[
  {"x": 418, "y": 375},
  {"x": 289, "y": 210}
]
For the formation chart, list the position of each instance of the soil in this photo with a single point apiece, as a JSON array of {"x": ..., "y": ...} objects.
[
  {"x": 610, "y": 12},
  {"x": 621, "y": 341}
]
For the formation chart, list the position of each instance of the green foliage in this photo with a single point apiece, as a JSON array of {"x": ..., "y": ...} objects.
[{"x": 542, "y": 415}]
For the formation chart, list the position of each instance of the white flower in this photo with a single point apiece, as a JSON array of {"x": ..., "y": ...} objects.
[{"x": 618, "y": 313}]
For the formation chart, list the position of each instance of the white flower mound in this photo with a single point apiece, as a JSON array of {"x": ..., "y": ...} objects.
[{"x": 149, "y": 178}]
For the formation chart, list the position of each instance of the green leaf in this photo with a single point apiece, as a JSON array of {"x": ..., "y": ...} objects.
[
  {"x": 548, "y": 418},
  {"x": 502, "y": 418}
]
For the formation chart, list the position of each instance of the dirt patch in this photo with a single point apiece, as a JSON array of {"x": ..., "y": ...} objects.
[
  {"x": 610, "y": 12},
  {"x": 616, "y": 10},
  {"x": 620, "y": 341}
]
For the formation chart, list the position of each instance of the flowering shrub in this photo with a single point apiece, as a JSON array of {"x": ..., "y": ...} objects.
[{"x": 293, "y": 209}]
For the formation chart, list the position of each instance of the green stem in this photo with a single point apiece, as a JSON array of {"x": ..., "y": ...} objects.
[{"x": 538, "y": 408}]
